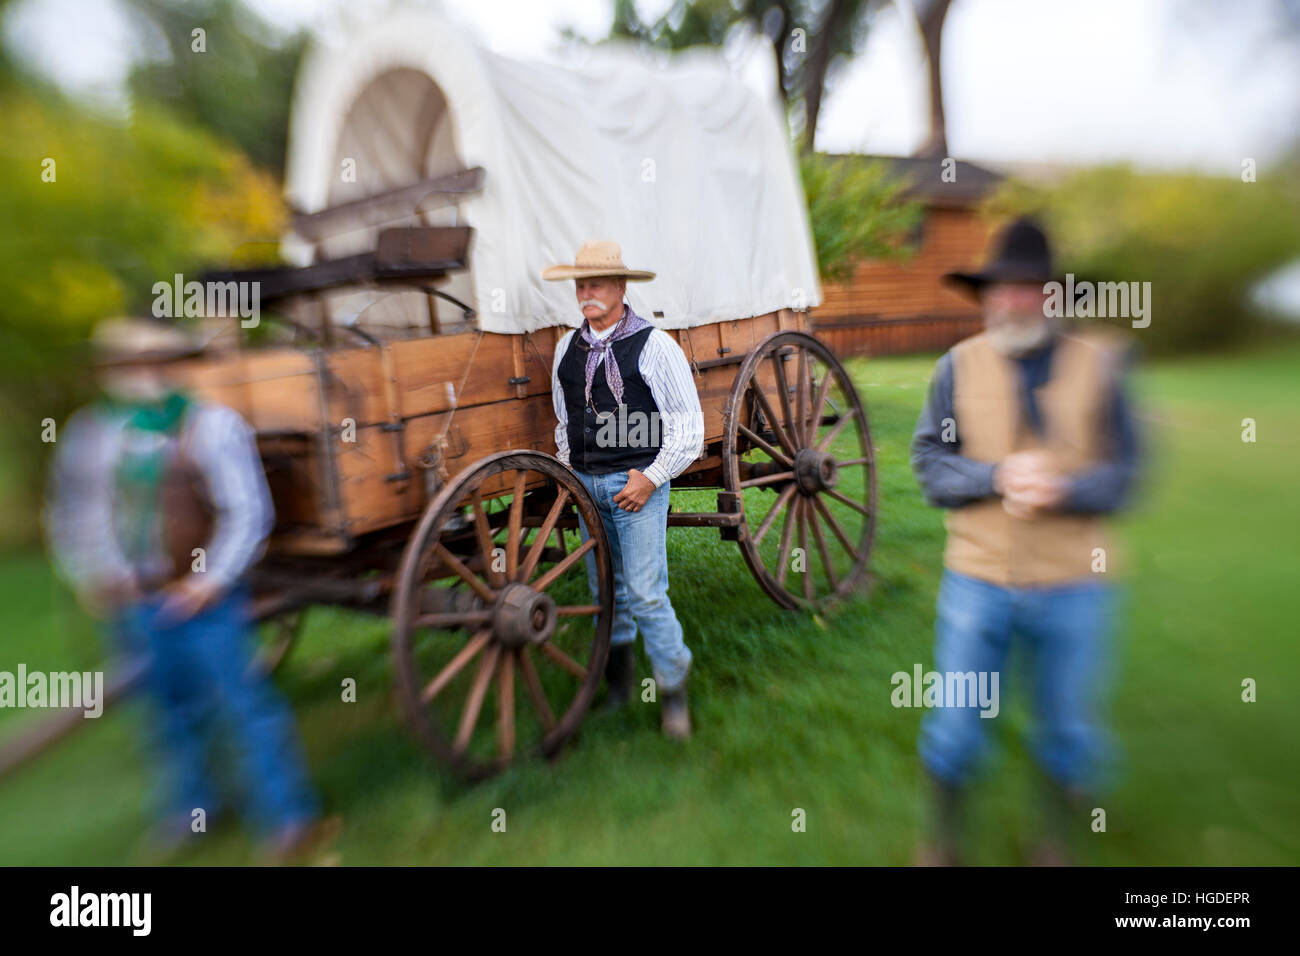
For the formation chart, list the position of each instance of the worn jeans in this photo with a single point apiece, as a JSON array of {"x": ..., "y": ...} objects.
[
  {"x": 199, "y": 676},
  {"x": 1065, "y": 631},
  {"x": 639, "y": 556}
]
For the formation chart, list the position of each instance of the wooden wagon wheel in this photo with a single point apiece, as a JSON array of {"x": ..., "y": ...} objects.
[
  {"x": 484, "y": 601},
  {"x": 797, "y": 449}
]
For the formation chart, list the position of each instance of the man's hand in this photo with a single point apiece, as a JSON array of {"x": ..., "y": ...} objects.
[
  {"x": 188, "y": 596},
  {"x": 107, "y": 597},
  {"x": 636, "y": 492},
  {"x": 1029, "y": 483}
]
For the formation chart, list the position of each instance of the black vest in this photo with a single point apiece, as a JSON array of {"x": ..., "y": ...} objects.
[{"x": 608, "y": 438}]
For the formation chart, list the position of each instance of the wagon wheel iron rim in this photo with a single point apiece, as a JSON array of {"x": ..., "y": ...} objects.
[
  {"x": 524, "y": 623},
  {"x": 797, "y": 450}
]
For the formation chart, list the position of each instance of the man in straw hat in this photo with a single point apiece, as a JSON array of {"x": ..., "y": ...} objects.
[
  {"x": 157, "y": 507},
  {"x": 1027, "y": 438},
  {"x": 629, "y": 421}
]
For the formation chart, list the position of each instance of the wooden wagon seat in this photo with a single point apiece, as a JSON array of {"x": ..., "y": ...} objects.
[{"x": 401, "y": 254}]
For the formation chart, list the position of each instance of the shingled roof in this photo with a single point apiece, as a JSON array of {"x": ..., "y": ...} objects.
[{"x": 926, "y": 183}]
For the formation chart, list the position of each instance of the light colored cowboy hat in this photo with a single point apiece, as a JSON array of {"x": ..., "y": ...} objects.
[
  {"x": 122, "y": 341},
  {"x": 597, "y": 257}
]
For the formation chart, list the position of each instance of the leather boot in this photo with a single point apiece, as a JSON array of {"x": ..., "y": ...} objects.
[
  {"x": 676, "y": 714},
  {"x": 620, "y": 675},
  {"x": 1064, "y": 811},
  {"x": 946, "y": 806}
]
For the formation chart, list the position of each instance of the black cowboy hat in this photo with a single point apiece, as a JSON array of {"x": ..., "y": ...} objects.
[{"x": 1022, "y": 254}]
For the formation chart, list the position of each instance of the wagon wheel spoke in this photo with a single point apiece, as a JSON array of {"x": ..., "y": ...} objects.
[
  {"x": 846, "y": 500},
  {"x": 578, "y": 610},
  {"x": 772, "y": 515},
  {"x": 838, "y": 427},
  {"x": 762, "y": 443},
  {"x": 782, "y": 561},
  {"x": 515, "y": 524},
  {"x": 535, "y": 692},
  {"x": 456, "y": 665},
  {"x": 777, "y": 428},
  {"x": 474, "y": 702},
  {"x": 820, "y": 538},
  {"x": 805, "y": 516},
  {"x": 464, "y": 573},
  {"x": 483, "y": 532},
  {"x": 544, "y": 532},
  {"x": 563, "y": 659},
  {"x": 506, "y": 705},
  {"x": 800, "y": 395},
  {"x": 783, "y": 394},
  {"x": 818, "y": 403},
  {"x": 544, "y": 581},
  {"x": 773, "y": 479},
  {"x": 835, "y": 527}
]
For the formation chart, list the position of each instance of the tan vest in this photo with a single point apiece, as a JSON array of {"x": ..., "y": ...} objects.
[{"x": 983, "y": 540}]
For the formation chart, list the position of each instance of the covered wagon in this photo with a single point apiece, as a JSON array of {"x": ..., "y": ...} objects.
[{"x": 401, "y": 389}]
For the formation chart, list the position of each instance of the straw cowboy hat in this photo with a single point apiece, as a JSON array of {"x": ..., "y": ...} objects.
[
  {"x": 597, "y": 257},
  {"x": 124, "y": 341}
]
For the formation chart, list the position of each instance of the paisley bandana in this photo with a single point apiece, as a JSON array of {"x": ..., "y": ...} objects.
[{"x": 630, "y": 324}]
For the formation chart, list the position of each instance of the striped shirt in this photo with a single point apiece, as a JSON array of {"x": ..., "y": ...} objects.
[
  {"x": 80, "y": 506},
  {"x": 664, "y": 367}
]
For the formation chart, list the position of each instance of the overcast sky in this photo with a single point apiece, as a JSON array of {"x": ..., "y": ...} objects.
[{"x": 1200, "y": 83}]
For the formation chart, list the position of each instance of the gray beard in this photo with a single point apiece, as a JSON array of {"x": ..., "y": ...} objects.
[{"x": 1014, "y": 341}]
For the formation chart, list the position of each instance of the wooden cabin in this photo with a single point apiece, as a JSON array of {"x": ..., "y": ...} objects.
[{"x": 903, "y": 306}]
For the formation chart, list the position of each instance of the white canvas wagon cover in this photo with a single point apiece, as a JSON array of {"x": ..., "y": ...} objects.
[{"x": 685, "y": 164}]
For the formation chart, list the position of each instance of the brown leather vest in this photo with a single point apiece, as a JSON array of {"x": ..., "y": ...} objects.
[
  {"x": 185, "y": 512},
  {"x": 984, "y": 541}
]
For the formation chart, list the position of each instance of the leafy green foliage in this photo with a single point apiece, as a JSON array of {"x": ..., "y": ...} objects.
[
  {"x": 121, "y": 207},
  {"x": 857, "y": 212},
  {"x": 240, "y": 86},
  {"x": 1201, "y": 242}
]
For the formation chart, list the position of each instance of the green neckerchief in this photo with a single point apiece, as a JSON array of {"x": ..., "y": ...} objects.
[
  {"x": 161, "y": 416},
  {"x": 140, "y": 470}
]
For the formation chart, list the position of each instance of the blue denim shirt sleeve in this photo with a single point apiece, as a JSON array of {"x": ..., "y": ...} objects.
[{"x": 947, "y": 478}]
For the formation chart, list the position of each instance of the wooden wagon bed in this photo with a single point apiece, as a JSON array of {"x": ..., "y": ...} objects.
[{"x": 357, "y": 439}]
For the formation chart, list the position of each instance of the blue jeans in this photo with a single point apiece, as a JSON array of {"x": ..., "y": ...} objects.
[
  {"x": 638, "y": 553},
  {"x": 1065, "y": 631},
  {"x": 199, "y": 669}
]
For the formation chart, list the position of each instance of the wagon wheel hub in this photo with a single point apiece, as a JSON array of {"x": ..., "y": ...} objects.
[
  {"x": 815, "y": 471},
  {"x": 523, "y": 616}
]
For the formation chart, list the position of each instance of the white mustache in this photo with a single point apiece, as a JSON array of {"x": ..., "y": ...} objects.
[{"x": 594, "y": 302}]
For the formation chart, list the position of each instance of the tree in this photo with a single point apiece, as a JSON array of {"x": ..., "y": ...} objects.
[
  {"x": 99, "y": 211},
  {"x": 930, "y": 15},
  {"x": 239, "y": 84},
  {"x": 811, "y": 40}
]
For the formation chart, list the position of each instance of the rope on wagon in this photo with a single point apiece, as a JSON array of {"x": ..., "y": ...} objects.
[{"x": 438, "y": 446}]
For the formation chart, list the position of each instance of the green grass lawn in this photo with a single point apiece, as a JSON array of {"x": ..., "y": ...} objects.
[{"x": 792, "y": 711}]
